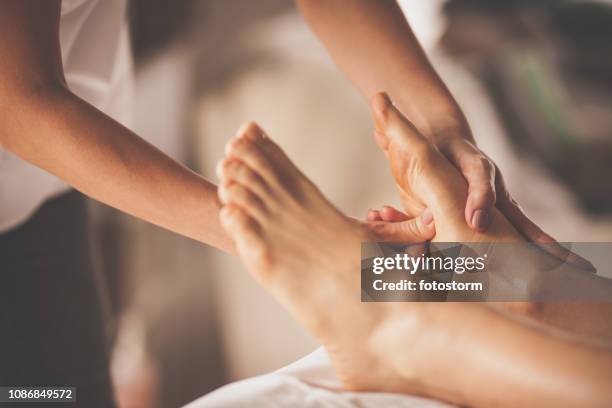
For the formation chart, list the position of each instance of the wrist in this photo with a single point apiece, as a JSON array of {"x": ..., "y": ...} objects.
[
  {"x": 448, "y": 129},
  {"x": 440, "y": 124}
]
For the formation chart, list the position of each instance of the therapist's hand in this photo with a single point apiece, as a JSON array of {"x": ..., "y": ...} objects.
[
  {"x": 486, "y": 189},
  {"x": 485, "y": 184},
  {"x": 392, "y": 225}
]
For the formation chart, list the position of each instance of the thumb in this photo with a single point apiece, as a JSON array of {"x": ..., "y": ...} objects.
[{"x": 411, "y": 231}]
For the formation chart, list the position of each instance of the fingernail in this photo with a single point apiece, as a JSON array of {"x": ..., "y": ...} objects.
[
  {"x": 427, "y": 216},
  {"x": 480, "y": 220},
  {"x": 581, "y": 263}
]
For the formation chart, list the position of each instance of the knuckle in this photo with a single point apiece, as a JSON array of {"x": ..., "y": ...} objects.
[
  {"x": 488, "y": 165},
  {"x": 413, "y": 230},
  {"x": 478, "y": 188},
  {"x": 484, "y": 194},
  {"x": 512, "y": 201},
  {"x": 482, "y": 164},
  {"x": 509, "y": 204}
]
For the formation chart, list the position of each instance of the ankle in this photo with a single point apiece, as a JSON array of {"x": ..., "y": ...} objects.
[{"x": 400, "y": 343}]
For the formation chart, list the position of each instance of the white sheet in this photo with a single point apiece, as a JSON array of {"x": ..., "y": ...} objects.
[{"x": 309, "y": 382}]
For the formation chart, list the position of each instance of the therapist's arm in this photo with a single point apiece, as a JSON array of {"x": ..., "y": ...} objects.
[
  {"x": 42, "y": 122},
  {"x": 373, "y": 44}
]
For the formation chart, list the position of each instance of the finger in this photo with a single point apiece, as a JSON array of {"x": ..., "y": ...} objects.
[
  {"x": 373, "y": 215},
  {"x": 391, "y": 214},
  {"x": 480, "y": 201},
  {"x": 411, "y": 231},
  {"x": 480, "y": 173},
  {"x": 535, "y": 234}
]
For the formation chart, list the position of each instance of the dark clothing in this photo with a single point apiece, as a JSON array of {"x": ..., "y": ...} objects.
[{"x": 51, "y": 317}]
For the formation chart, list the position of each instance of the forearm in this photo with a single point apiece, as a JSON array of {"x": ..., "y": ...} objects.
[
  {"x": 388, "y": 58},
  {"x": 540, "y": 366},
  {"x": 555, "y": 293},
  {"x": 575, "y": 301},
  {"x": 475, "y": 356},
  {"x": 57, "y": 131}
]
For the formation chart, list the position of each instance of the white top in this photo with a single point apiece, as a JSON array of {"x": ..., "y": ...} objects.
[{"x": 98, "y": 68}]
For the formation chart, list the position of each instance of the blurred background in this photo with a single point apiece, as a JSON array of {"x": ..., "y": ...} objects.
[{"x": 533, "y": 77}]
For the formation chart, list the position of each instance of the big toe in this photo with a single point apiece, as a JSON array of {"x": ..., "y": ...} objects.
[
  {"x": 247, "y": 147},
  {"x": 251, "y": 131}
]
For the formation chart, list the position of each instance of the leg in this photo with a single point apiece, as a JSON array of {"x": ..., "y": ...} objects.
[
  {"x": 53, "y": 332},
  {"x": 452, "y": 354},
  {"x": 305, "y": 252}
]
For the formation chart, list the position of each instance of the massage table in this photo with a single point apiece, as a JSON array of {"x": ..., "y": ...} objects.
[{"x": 307, "y": 383}]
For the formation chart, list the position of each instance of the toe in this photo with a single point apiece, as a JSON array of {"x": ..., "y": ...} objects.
[
  {"x": 231, "y": 171},
  {"x": 278, "y": 157},
  {"x": 244, "y": 198},
  {"x": 251, "y": 131},
  {"x": 273, "y": 152},
  {"x": 248, "y": 152},
  {"x": 248, "y": 236},
  {"x": 237, "y": 222}
]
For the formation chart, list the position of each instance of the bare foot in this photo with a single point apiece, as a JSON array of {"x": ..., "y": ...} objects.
[
  {"x": 307, "y": 253},
  {"x": 304, "y": 251}
]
